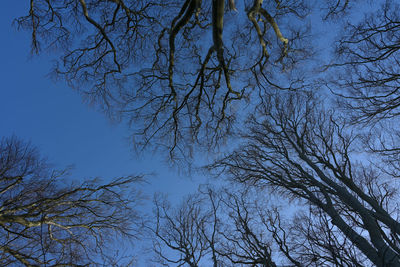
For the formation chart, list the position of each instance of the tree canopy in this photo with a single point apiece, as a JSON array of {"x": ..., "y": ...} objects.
[
  {"x": 317, "y": 131},
  {"x": 47, "y": 220},
  {"x": 179, "y": 71}
]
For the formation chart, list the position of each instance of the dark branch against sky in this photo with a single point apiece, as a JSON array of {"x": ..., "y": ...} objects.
[
  {"x": 191, "y": 97},
  {"x": 54, "y": 118}
]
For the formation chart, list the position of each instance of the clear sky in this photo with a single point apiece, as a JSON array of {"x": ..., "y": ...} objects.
[
  {"x": 54, "y": 118},
  {"x": 66, "y": 130}
]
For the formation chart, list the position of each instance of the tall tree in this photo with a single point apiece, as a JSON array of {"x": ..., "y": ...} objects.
[
  {"x": 367, "y": 65},
  {"x": 176, "y": 69},
  {"x": 246, "y": 227},
  {"x": 302, "y": 151},
  {"x": 47, "y": 220},
  {"x": 344, "y": 210},
  {"x": 366, "y": 79},
  {"x": 180, "y": 70}
]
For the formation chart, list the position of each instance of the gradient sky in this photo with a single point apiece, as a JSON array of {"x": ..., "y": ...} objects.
[{"x": 66, "y": 130}]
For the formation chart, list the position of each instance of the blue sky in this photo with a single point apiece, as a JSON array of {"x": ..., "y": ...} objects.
[{"x": 66, "y": 130}]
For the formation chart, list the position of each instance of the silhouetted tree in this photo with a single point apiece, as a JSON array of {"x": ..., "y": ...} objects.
[
  {"x": 176, "y": 69},
  {"x": 302, "y": 151},
  {"x": 185, "y": 235},
  {"x": 367, "y": 65},
  {"x": 236, "y": 229},
  {"x": 180, "y": 71},
  {"x": 345, "y": 210},
  {"x": 47, "y": 220}
]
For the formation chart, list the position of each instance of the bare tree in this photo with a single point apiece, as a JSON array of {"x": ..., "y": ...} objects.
[
  {"x": 176, "y": 69},
  {"x": 47, "y": 220},
  {"x": 180, "y": 70},
  {"x": 236, "y": 229},
  {"x": 318, "y": 242},
  {"x": 256, "y": 226},
  {"x": 243, "y": 238},
  {"x": 366, "y": 77},
  {"x": 180, "y": 233},
  {"x": 248, "y": 228},
  {"x": 302, "y": 151},
  {"x": 367, "y": 64}
]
